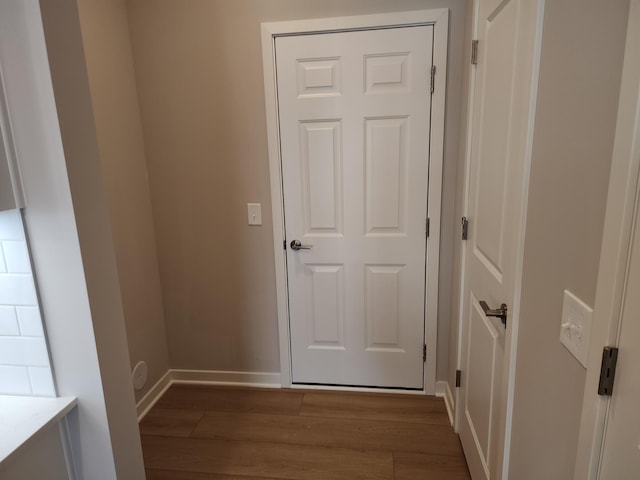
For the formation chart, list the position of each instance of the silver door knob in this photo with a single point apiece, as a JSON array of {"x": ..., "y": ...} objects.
[
  {"x": 297, "y": 245},
  {"x": 501, "y": 312}
]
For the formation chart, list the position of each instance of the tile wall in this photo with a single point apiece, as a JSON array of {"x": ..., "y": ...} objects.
[{"x": 24, "y": 359}]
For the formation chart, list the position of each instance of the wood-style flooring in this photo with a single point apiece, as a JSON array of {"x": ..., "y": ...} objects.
[{"x": 224, "y": 433}]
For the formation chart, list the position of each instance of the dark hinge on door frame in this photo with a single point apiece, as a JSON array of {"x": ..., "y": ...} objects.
[
  {"x": 426, "y": 228},
  {"x": 424, "y": 352},
  {"x": 458, "y": 378},
  {"x": 433, "y": 78},
  {"x": 465, "y": 228},
  {"x": 284, "y": 243},
  {"x": 474, "y": 52},
  {"x": 608, "y": 371}
]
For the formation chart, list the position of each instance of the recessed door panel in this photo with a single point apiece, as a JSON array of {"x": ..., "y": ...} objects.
[
  {"x": 383, "y": 306},
  {"x": 495, "y": 134},
  {"x": 326, "y": 306},
  {"x": 387, "y": 73},
  {"x": 318, "y": 77},
  {"x": 386, "y": 175},
  {"x": 322, "y": 176},
  {"x": 481, "y": 361}
]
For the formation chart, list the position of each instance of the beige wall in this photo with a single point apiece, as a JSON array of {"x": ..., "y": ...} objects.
[
  {"x": 199, "y": 72},
  {"x": 582, "y": 51},
  {"x": 107, "y": 48}
]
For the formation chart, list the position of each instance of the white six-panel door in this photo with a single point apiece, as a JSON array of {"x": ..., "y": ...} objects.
[{"x": 354, "y": 111}]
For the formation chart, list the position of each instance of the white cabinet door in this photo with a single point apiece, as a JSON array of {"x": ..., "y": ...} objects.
[
  {"x": 499, "y": 132},
  {"x": 354, "y": 110}
]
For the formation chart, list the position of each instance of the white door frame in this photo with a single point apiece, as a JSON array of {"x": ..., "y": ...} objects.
[
  {"x": 619, "y": 225},
  {"x": 439, "y": 18},
  {"x": 511, "y": 347}
]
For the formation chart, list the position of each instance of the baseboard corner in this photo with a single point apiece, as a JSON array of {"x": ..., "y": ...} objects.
[
  {"x": 153, "y": 395},
  {"x": 443, "y": 390}
]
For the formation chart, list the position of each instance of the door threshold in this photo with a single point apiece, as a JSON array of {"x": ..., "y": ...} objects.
[{"x": 354, "y": 388}]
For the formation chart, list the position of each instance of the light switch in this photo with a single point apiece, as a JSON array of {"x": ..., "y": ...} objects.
[
  {"x": 255, "y": 213},
  {"x": 576, "y": 326}
]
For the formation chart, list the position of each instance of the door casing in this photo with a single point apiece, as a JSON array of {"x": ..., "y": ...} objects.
[
  {"x": 439, "y": 18},
  {"x": 619, "y": 225}
]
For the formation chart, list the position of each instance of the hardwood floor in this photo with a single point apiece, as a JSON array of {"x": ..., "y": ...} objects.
[{"x": 225, "y": 433}]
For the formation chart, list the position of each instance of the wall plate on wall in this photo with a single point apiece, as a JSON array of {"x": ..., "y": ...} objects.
[
  {"x": 140, "y": 373},
  {"x": 575, "y": 326}
]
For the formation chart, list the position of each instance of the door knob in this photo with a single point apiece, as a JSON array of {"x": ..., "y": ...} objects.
[
  {"x": 501, "y": 312},
  {"x": 297, "y": 245}
]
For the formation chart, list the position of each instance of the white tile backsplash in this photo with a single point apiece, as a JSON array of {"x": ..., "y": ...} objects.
[
  {"x": 24, "y": 359},
  {"x": 11, "y": 225},
  {"x": 17, "y": 289},
  {"x": 16, "y": 257},
  {"x": 14, "y": 380},
  {"x": 30, "y": 321},
  {"x": 8, "y": 321},
  {"x": 41, "y": 381},
  {"x": 27, "y": 351}
]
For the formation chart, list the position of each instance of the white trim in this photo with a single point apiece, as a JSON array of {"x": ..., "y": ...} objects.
[
  {"x": 443, "y": 390},
  {"x": 526, "y": 174},
  {"x": 204, "y": 377},
  {"x": 439, "y": 18},
  {"x": 153, "y": 395},
  {"x": 465, "y": 203},
  {"x": 220, "y": 377},
  {"x": 619, "y": 224},
  {"x": 65, "y": 440},
  {"x": 340, "y": 388},
  {"x": 434, "y": 202}
]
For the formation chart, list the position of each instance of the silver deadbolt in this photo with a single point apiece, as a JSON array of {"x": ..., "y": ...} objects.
[
  {"x": 297, "y": 245},
  {"x": 501, "y": 312}
]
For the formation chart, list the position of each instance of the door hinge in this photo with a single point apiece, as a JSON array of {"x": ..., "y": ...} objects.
[
  {"x": 474, "y": 52},
  {"x": 608, "y": 371},
  {"x": 433, "y": 78},
  {"x": 458, "y": 378},
  {"x": 424, "y": 352},
  {"x": 284, "y": 244},
  {"x": 427, "y": 227},
  {"x": 465, "y": 228}
]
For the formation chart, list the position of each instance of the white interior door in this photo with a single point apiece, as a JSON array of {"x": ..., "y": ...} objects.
[
  {"x": 609, "y": 439},
  {"x": 499, "y": 130},
  {"x": 354, "y": 110},
  {"x": 621, "y": 445}
]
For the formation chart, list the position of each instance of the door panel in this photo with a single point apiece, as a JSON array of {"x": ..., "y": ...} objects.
[
  {"x": 506, "y": 34},
  {"x": 322, "y": 173},
  {"x": 354, "y": 111},
  {"x": 386, "y": 175}
]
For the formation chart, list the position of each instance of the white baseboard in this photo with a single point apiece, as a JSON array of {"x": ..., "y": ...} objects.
[
  {"x": 450, "y": 404},
  {"x": 204, "y": 377},
  {"x": 153, "y": 395},
  {"x": 219, "y": 377},
  {"x": 249, "y": 379},
  {"x": 443, "y": 390}
]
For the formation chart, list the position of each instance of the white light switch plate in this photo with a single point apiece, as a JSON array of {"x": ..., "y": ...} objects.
[
  {"x": 254, "y": 211},
  {"x": 575, "y": 326}
]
